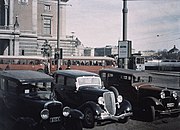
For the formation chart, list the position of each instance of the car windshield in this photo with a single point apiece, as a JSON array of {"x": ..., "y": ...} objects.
[
  {"x": 89, "y": 81},
  {"x": 39, "y": 90}
]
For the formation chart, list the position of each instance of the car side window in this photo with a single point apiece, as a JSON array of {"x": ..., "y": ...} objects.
[
  {"x": 60, "y": 79},
  {"x": 103, "y": 76},
  {"x": 2, "y": 84},
  {"x": 70, "y": 83},
  {"x": 12, "y": 86}
]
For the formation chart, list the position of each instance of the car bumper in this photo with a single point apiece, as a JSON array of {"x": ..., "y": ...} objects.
[
  {"x": 107, "y": 116},
  {"x": 169, "y": 112}
]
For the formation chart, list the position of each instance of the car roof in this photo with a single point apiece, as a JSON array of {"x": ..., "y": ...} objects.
[
  {"x": 125, "y": 72},
  {"x": 75, "y": 73},
  {"x": 26, "y": 76}
]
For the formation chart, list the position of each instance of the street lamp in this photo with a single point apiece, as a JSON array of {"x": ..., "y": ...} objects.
[
  {"x": 16, "y": 25},
  {"x": 72, "y": 36}
]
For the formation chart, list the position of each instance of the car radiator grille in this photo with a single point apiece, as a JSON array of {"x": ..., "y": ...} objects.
[
  {"x": 55, "y": 109},
  {"x": 109, "y": 100},
  {"x": 168, "y": 102}
]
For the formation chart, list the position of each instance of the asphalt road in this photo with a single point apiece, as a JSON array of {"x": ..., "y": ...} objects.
[{"x": 159, "y": 124}]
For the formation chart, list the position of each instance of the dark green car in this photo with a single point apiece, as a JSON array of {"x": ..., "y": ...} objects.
[
  {"x": 84, "y": 91},
  {"x": 27, "y": 102}
]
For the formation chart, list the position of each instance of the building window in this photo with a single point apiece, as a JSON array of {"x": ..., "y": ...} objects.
[
  {"x": 23, "y": 1},
  {"x": 47, "y": 7},
  {"x": 47, "y": 26}
]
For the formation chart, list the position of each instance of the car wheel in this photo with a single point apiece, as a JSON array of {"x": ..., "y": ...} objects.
[
  {"x": 74, "y": 124},
  {"x": 114, "y": 90},
  {"x": 89, "y": 121},
  {"x": 149, "y": 113}
]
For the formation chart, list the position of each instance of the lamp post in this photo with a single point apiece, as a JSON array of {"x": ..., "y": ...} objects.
[
  {"x": 72, "y": 36},
  {"x": 16, "y": 25}
]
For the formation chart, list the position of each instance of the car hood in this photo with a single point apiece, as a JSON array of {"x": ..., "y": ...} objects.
[
  {"x": 92, "y": 91},
  {"x": 146, "y": 90}
]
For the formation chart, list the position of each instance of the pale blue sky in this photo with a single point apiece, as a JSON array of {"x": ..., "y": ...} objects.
[{"x": 99, "y": 22}]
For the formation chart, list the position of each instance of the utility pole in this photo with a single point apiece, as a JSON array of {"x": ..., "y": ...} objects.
[
  {"x": 58, "y": 31},
  {"x": 125, "y": 11}
]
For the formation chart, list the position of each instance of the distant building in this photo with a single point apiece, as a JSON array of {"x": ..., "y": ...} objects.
[
  {"x": 148, "y": 53},
  {"x": 173, "y": 50}
]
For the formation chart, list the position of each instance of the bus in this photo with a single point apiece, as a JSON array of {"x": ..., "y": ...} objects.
[
  {"x": 49, "y": 65},
  {"x": 87, "y": 63},
  {"x": 36, "y": 63}
]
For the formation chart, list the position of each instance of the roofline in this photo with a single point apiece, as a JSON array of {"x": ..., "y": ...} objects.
[
  {"x": 124, "y": 71},
  {"x": 69, "y": 73}
]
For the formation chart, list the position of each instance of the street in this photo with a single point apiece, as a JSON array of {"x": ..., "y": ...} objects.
[{"x": 161, "y": 124}]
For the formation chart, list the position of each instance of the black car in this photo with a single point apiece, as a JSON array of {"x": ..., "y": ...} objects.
[
  {"x": 27, "y": 102},
  {"x": 148, "y": 101},
  {"x": 84, "y": 91}
]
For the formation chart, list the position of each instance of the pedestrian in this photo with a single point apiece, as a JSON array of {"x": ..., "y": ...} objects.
[
  {"x": 68, "y": 67},
  {"x": 7, "y": 67}
]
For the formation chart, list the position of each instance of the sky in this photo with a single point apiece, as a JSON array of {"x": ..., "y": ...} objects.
[{"x": 151, "y": 24}]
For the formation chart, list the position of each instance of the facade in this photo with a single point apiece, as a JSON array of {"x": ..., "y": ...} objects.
[
  {"x": 25, "y": 25},
  {"x": 106, "y": 51}
]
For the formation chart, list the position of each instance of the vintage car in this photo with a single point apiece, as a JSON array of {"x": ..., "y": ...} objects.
[
  {"x": 148, "y": 101},
  {"x": 83, "y": 90},
  {"x": 27, "y": 103}
]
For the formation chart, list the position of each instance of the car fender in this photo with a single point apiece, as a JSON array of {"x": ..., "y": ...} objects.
[
  {"x": 151, "y": 101},
  {"x": 125, "y": 105},
  {"x": 25, "y": 122},
  {"x": 94, "y": 106},
  {"x": 76, "y": 114}
]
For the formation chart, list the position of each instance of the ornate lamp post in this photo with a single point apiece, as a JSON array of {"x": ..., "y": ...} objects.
[{"x": 16, "y": 25}]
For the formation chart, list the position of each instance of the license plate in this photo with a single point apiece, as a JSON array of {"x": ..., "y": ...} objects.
[
  {"x": 55, "y": 119},
  {"x": 170, "y": 104}
]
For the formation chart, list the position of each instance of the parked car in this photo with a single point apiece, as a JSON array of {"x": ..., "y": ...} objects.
[
  {"x": 84, "y": 91},
  {"x": 27, "y": 103},
  {"x": 136, "y": 87}
]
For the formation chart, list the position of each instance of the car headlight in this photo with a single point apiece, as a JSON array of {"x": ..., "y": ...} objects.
[
  {"x": 101, "y": 100},
  {"x": 66, "y": 111},
  {"x": 162, "y": 94},
  {"x": 45, "y": 114},
  {"x": 119, "y": 98},
  {"x": 175, "y": 94}
]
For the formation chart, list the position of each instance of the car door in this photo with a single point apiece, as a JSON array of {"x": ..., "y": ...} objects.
[
  {"x": 73, "y": 97},
  {"x": 11, "y": 98}
]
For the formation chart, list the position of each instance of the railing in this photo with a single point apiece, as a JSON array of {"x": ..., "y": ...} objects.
[{"x": 5, "y": 27}]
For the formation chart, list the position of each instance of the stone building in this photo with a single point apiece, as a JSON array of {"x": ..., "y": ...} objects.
[{"x": 25, "y": 25}]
